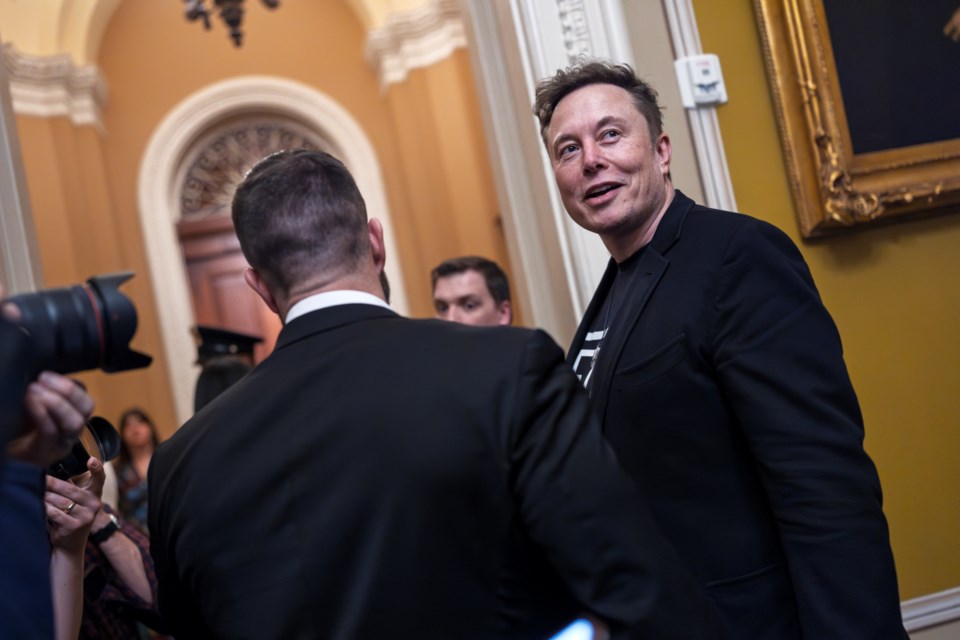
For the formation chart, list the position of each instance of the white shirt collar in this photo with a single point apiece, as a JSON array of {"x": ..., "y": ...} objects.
[{"x": 332, "y": 299}]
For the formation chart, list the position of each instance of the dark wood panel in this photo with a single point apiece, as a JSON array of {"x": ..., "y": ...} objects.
[{"x": 221, "y": 297}]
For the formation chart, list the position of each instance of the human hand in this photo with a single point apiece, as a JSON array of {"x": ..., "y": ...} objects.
[
  {"x": 952, "y": 28},
  {"x": 72, "y": 505},
  {"x": 56, "y": 409}
]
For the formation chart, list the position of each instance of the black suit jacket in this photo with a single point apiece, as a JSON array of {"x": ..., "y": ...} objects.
[
  {"x": 721, "y": 386},
  {"x": 384, "y": 477}
]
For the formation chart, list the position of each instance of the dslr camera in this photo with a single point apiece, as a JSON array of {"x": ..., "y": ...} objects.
[{"x": 67, "y": 330}]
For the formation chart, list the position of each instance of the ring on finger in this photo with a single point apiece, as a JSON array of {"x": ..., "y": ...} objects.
[{"x": 67, "y": 509}]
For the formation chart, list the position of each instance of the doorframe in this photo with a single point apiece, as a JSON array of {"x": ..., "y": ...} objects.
[{"x": 513, "y": 43}]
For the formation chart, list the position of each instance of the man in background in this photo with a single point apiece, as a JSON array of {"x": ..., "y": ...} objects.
[
  {"x": 720, "y": 379},
  {"x": 471, "y": 290},
  {"x": 349, "y": 487},
  {"x": 224, "y": 357}
]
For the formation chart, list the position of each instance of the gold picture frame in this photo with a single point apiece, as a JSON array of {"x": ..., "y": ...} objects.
[{"x": 834, "y": 187}]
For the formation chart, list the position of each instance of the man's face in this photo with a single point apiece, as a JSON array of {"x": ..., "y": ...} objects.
[
  {"x": 463, "y": 297},
  {"x": 612, "y": 177}
]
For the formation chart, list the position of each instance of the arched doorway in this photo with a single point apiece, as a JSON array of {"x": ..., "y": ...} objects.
[{"x": 166, "y": 162}]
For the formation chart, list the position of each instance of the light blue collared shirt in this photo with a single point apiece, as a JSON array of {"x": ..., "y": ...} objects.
[{"x": 332, "y": 299}]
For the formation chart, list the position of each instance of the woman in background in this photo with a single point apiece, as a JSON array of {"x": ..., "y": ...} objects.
[{"x": 138, "y": 439}]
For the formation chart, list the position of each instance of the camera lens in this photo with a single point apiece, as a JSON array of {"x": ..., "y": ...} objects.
[
  {"x": 81, "y": 327},
  {"x": 97, "y": 440}
]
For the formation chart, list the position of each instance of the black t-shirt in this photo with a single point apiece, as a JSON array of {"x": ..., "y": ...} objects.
[{"x": 592, "y": 346}]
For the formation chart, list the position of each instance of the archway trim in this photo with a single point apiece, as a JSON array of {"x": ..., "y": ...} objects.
[{"x": 159, "y": 209}]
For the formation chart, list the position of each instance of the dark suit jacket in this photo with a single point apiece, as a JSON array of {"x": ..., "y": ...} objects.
[
  {"x": 383, "y": 477},
  {"x": 26, "y": 606},
  {"x": 721, "y": 386}
]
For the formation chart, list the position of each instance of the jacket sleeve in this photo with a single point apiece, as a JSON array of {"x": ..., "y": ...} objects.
[
  {"x": 180, "y": 616},
  {"x": 587, "y": 514},
  {"x": 780, "y": 363}
]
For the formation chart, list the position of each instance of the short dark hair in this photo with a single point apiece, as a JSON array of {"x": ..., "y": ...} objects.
[
  {"x": 299, "y": 212},
  {"x": 494, "y": 276},
  {"x": 550, "y": 91}
]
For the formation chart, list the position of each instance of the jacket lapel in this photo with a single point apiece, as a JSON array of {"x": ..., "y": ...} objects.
[{"x": 650, "y": 270}]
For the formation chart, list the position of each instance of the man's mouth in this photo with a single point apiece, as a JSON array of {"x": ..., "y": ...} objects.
[{"x": 600, "y": 190}]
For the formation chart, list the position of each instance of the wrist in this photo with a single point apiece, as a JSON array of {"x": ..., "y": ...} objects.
[{"x": 99, "y": 534}]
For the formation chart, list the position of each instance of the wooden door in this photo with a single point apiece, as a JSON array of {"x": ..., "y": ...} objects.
[{"x": 220, "y": 296}]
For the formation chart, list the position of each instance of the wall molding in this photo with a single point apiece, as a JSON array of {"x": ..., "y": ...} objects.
[
  {"x": 704, "y": 125},
  {"x": 158, "y": 192},
  {"x": 931, "y": 610},
  {"x": 414, "y": 40},
  {"x": 52, "y": 86}
]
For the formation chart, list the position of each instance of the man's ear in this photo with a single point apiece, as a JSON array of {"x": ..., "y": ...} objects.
[
  {"x": 664, "y": 151},
  {"x": 506, "y": 313},
  {"x": 255, "y": 282},
  {"x": 377, "y": 247}
]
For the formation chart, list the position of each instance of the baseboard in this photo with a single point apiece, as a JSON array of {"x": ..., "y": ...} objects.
[{"x": 931, "y": 610}]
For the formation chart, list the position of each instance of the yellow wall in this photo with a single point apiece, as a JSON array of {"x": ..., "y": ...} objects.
[{"x": 894, "y": 295}]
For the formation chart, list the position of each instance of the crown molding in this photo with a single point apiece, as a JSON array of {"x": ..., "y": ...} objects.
[
  {"x": 52, "y": 86},
  {"x": 414, "y": 40}
]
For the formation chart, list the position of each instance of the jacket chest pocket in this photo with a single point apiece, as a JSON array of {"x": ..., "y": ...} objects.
[{"x": 652, "y": 367}]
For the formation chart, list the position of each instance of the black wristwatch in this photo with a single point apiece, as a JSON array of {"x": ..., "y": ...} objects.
[{"x": 108, "y": 530}]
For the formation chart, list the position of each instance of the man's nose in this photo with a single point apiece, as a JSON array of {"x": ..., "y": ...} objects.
[{"x": 593, "y": 157}]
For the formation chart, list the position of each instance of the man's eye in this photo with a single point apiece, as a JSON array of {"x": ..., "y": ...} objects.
[
  {"x": 610, "y": 134},
  {"x": 567, "y": 150},
  {"x": 440, "y": 307}
]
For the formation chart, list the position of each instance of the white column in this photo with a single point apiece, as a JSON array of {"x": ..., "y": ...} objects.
[
  {"x": 513, "y": 44},
  {"x": 704, "y": 126},
  {"x": 19, "y": 256}
]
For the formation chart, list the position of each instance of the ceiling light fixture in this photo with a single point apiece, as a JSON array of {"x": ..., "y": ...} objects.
[{"x": 231, "y": 12}]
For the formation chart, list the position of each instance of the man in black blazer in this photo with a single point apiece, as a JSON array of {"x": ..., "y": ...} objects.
[
  {"x": 719, "y": 379},
  {"x": 381, "y": 477}
]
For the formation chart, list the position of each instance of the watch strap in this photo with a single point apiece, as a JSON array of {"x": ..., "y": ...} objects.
[{"x": 105, "y": 532}]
